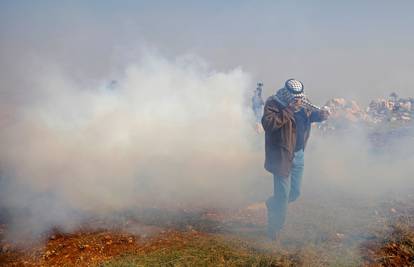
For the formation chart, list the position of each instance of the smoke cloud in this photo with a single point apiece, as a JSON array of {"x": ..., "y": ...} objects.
[
  {"x": 174, "y": 130},
  {"x": 352, "y": 163},
  {"x": 168, "y": 132}
]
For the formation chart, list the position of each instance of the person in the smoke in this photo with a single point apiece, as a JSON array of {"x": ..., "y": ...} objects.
[
  {"x": 287, "y": 124},
  {"x": 257, "y": 105}
]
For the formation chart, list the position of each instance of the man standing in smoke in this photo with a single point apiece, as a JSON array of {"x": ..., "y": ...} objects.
[
  {"x": 257, "y": 105},
  {"x": 287, "y": 122}
]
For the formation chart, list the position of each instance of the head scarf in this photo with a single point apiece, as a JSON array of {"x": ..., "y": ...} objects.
[{"x": 293, "y": 89}]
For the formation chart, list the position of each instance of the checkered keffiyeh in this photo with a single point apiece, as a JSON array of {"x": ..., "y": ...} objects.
[
  {"x": 293, "y": 89},
  {"x": 294, "y": 86}
]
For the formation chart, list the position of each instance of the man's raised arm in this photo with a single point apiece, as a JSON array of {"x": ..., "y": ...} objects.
[
  {"x": 273, "y": 117},
  {"x": 319, "y": 116}
]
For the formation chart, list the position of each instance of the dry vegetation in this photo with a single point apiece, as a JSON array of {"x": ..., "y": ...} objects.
[
  {"x": 231, "y": 238},
  {"x": 395, "y": 246}
]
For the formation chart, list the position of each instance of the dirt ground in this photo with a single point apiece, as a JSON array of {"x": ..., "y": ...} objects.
[
  {"x": 226, "y": 238},
  {"x": 88, "y": 248}
]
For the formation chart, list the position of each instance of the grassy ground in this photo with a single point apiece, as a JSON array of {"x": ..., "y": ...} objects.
[
  {"x": 357, "y": 233},
  {"x": 322, "y": 229},
  {"x": 207, "y": 251},
  {"x": 354, "y": 232}
]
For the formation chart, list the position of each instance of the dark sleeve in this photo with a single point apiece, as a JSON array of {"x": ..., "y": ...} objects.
[
  {"x": 273, "y": 118},
  {"x": 317, "y": 116}
]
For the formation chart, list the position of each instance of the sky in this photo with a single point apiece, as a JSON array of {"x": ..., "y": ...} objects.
[{"x": 358, "y": 49}]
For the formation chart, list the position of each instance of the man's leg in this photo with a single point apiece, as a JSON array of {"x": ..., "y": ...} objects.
[
  {"x": 296, "y": 175},
  {"x": 257, "y": 115},
  {"x": 277, "y": 205}
]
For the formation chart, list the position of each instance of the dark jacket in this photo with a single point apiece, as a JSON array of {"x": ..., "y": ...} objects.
[{"x": 280, "y": 135}]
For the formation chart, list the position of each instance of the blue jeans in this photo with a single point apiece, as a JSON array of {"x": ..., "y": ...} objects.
[{"x": 286, "y": 189}]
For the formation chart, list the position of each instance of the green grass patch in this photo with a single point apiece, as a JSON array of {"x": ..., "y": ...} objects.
[{"x": 206, "y": 251}]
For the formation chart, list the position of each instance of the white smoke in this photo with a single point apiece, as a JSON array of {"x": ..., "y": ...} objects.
[
  {"x": 353, "y": 163},
  {"x": 171, "y": 131}
]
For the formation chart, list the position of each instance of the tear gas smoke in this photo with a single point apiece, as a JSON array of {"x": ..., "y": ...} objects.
[
  {"x": 352, "y": 163},
  {"x": 171, "y": 132}
]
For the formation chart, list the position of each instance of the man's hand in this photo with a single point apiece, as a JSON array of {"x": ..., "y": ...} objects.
[
  {"x": 324, "y": 113},
  {"x": 295, "y": 105}
]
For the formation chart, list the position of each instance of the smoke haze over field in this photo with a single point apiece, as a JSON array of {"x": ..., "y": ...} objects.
[
  {"x": 177, "y": 128},
  {"x": 351, "y": 164},
  {"x": 169, "y": 132}
]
